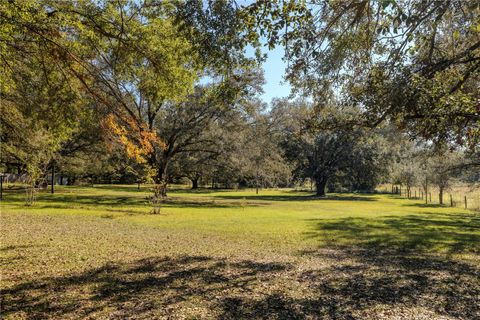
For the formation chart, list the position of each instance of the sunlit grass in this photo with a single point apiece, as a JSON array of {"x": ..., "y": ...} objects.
[{"x": 280, "y": 217}]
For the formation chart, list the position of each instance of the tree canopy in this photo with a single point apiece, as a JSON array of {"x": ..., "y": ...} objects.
[
  {"x": 412, "y": 62},
  {"x": 156, "y": 91}
]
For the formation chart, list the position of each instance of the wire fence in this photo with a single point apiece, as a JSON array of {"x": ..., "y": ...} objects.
[{"x": 459, "y": 196}]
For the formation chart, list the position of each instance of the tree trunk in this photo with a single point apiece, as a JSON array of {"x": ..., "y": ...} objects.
[
  {"x": 440, "y": 195},
  {"x": 52, "y": 191},
  {"x": 160, "y": 188},
  {"x": 425, "y": 188},
  {"x": 161, "y": 178},
  {"x": 320, "y": 184},
  {"x": 71, "y": 180},
  {"x": 194, "y": 183}
]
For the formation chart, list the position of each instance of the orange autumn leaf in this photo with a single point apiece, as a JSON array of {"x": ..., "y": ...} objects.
[{"x": 137, "y": 140}]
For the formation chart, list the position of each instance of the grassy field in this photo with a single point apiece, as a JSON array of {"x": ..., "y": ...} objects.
[{"x": 98, "y": 253}]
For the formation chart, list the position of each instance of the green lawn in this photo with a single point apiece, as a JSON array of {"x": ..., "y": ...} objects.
[{"x": 98, "y": 253}]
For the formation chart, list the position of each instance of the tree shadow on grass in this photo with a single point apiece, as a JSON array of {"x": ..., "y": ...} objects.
[
  {"x": 13, "y": 253},
  {"x": 90, "y": 200},
  {"x": 430, "y": 232},
  {"x": 375, "y": 283},
  {"x": 356, "y": 285},
  {"x": 121, "y": 204},
  {"x": 174, "y": 189},
  {"x": 17, "y": 247},
  {"x": 146, "y": 288},
  {"x": 124, "y": 188},
  {"x": 425, "y": 205},
  {"x": 293, "y": 197},
  {"x": 401, "y": 260},
  {"x": 127, "y": 204},
  {"x": 180, "y": 202}
]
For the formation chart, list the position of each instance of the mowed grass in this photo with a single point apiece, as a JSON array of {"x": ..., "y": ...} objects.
[{"x": 98, "y": 252}]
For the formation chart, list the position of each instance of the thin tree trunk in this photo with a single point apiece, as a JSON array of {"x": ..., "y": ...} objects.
[
  {"x": 53, "y": 179},
  {"x": 160, "y": 188},
  {"x": 425, "y": 187},
  {"x": 161, "y": 178}
]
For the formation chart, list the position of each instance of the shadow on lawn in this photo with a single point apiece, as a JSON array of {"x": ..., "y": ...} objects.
[
  {"x": 123, "y": 188},
  {"x": 180, "y": 202},
  {"x": 121, "y": 204},
  {"x": 309, "y": 197},
  {"x": 12, "y": 254},
  {"x": 402, "y": 260},
  {"x": 116, "y": 203},
  {"x": 451, "y": 233},
  {"x": 148, "y": 287},
  {"x": 17, "y": 247},
  {"x": 90, "y": 200},
  {"x": 406, "y": 284},
  {"x": 425, "y": 205},
  {"x": 354, "y": 285}
]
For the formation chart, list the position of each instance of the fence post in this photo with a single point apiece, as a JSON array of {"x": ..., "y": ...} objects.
[
  {"x": 1, "y": 186},
  {"x": 465, "y": 202}
]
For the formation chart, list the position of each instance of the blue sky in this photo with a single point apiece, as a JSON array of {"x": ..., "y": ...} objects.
[{"x": 274, "y": 69}]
